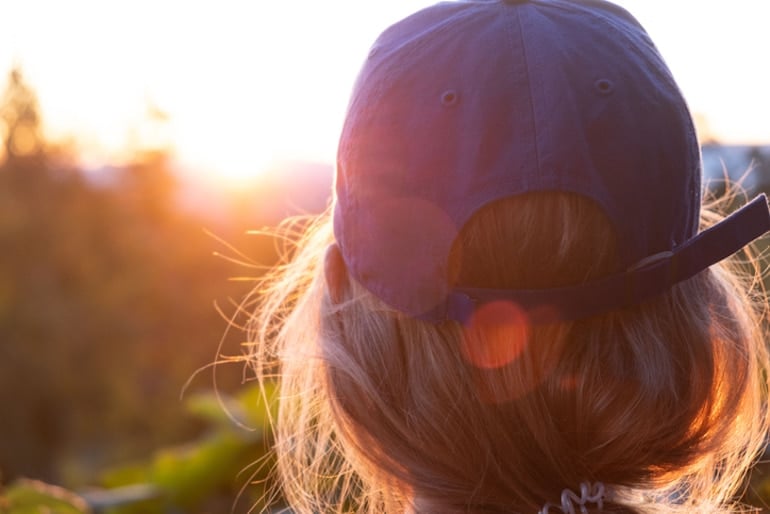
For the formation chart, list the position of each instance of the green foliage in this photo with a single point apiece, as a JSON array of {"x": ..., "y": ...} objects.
[
  {"x": 106, "y": 293},
  {"x": 105, "y": 311},
  {"x": 34, "y": 497},
  {"x": 200, "y": 476},
  {"x": 189, "y": 476}
]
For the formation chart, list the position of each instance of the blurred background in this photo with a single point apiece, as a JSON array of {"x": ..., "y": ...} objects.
[{"x": 141, "y": 141}]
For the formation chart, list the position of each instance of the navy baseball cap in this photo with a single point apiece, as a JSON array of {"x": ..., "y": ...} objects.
[{"x": 468, "y": 102}]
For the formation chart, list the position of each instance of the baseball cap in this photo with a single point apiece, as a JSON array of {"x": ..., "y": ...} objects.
[{"x": 468, "y": 102}]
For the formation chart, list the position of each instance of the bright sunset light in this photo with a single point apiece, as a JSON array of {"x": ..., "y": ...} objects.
[
  {"x": 163, "y": 166},
  {"x": 233, "y": 86}
]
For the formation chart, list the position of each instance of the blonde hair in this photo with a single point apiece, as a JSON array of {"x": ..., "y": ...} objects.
[{"x": 665, "y": 402}]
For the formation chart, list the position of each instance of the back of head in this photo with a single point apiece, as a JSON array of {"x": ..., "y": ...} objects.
[
  {"x": 661, "y": 402},
  {"x": 511, "y": 307}
]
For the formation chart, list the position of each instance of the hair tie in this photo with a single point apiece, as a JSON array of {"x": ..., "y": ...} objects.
[{"x": 589, "y": 493}]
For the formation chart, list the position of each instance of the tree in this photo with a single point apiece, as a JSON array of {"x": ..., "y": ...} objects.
[{"x": 20, "y": 115}]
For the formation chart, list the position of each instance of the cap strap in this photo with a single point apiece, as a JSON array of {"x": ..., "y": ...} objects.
[{"x": 631, "y": 287}]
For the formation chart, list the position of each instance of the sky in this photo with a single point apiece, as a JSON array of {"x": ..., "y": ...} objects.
[{"x": 234, "y": 86}]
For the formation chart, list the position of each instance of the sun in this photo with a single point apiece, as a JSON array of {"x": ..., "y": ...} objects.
[
  {"x": 223, "y": 163},
  {"x": 266, "y": 86}
]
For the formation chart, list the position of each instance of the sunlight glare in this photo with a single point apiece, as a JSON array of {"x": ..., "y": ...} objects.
[{"x": 229, "y": 87}]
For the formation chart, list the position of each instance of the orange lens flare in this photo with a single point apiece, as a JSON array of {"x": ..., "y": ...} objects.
[{"x": 496, "y": 335}]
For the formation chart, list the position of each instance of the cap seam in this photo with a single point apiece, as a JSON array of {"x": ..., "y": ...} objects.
[{"x": 529, "y": 84}]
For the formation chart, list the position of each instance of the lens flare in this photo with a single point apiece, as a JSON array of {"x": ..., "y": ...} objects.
[{"x": 496, "y": 335}]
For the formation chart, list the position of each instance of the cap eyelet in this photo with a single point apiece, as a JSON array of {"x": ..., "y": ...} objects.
[
  {"x": 450, "y": 98},
  {"x": 604, "y": 87}
]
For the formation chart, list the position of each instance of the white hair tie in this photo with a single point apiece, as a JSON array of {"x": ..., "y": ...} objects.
[{"x": 589, "y": 493}]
